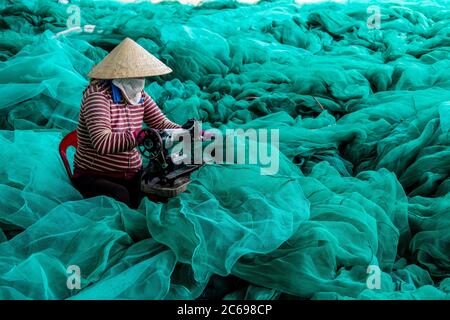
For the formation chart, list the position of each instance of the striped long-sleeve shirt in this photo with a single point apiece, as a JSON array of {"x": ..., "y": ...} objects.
[{"x": 106, "y": 142}]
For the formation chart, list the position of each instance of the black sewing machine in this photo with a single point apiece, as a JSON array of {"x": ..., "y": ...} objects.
[{"x": 167, "y": 173}]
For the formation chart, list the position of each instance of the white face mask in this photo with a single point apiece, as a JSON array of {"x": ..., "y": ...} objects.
[{"x": 131, "y": 88}]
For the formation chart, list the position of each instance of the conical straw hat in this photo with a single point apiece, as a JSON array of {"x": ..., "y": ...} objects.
[{"x": 128, "y": 60}]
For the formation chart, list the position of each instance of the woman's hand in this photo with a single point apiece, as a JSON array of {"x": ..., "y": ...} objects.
[
  {"x": 206, "y": 135},
  {"x": 140, "y": 136}
]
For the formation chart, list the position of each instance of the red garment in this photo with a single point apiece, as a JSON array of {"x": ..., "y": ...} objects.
[{"x": 106, "y": 142}]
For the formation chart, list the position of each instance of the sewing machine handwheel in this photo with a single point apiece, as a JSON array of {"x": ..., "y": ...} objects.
[{"x": 151, "y": 143}]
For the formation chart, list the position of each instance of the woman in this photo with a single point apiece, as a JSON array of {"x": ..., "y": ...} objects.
[{"x": 113, "y": 108}]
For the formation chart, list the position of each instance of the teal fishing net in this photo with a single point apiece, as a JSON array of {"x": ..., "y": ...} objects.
[{"x": 363, "y": 181}]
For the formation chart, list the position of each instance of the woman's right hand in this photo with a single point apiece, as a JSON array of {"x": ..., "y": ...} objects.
[{"x": 139, "y": 136}]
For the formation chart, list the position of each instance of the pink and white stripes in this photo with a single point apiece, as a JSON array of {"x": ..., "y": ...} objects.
[{"x": 106, "y": 140}]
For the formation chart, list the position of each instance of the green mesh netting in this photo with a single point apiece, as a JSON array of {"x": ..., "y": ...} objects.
[{"x": 363, "y": 181}]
